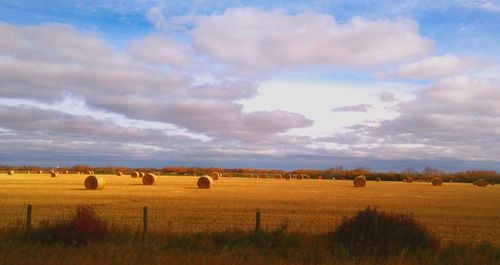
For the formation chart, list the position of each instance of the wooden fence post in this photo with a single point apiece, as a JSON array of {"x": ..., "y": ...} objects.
[
  {"x": 28, "y": 218},
  {"x": 145, "y": 224},
  {"x": 257, "y": 223}
]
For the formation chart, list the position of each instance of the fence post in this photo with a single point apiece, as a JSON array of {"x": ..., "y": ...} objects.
[
  {"x": 28, "y": 218},
  {"x": 145, "y": 224},
  {"x": 257, "y": 223}
]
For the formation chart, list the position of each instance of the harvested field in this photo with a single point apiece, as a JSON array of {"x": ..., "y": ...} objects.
[{"x": 455, "y": 211}]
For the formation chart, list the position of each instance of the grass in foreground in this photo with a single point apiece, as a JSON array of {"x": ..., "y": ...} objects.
[{"x": 398, "y": 239}]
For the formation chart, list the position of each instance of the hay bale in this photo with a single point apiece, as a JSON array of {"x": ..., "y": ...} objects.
[
  {"x": 53, "y": 174},
  {"x": 94, "y": 183},
  {"x": 10, "y": 172},
  {"x": 300, "y": 176},
  {"x": 90, "y": 172},
  {"x": 149, "y": 179},
  {"x": 437, "y": 181},
  {"x": 134, "y": 174},
  {"x": 204, "y": 182},
  {"x": 377, "y": 179},
  {"x": 40, "y": 171},
  {"x": 66, "y": 172},
  {"x": 408, "y": 180},
  {"x": 215, "y": 175},
  {"x": 142, "y": 174},
  {"x": 482, "y": 183},
  {"x": 288, "y": 176},
  {"x": 359, "y": 181},
  {"x": 279, "y": 176},
  {"x": 119, "y": 174}
]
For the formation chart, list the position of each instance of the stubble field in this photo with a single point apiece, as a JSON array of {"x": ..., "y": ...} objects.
[{"x": 455, "y": 211}]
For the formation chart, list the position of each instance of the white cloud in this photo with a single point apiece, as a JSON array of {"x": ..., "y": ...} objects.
[
  {"x": 387, "y": 97},
  {"x": 257, "y": 40},
  {"x": 47, "y": 63},
  {"x": 157, "y": 49},
  {"x": 457, "y": 117},
  {"x": 435, "y": 67},
  {"x": 353, "y": 108}
]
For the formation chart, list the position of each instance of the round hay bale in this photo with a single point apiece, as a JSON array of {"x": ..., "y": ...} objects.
[
  {"x": 66, "y": 172},
  {"x": 359, "y": 181},
  {"x": 149, "y": 179},
  {"x": 333, "y": 178},
  {"x": 134, "y": 174},
  {"x": 300, "y": 176},
  {"x": 279, "y": 176},
  {"x": 90, "y": 172},
  {"x": 40, "y": 171},
  {"x": 437, "y": 182},
  {"x": 377, "y": 179},
  {"x": 142, "y": 174},
  {"x": 53, "y": 174},
  {"x": 408, "y": 180},
  {"x": 215, "y": 175},
  {"x": 263, "y": 176},
  {"x": 288, "y": 176},
  {"x": 119, "y": 174},
  {"x": 482, "y": 183},
  {"x": 10, "y": 172},
  {"x": 204, "y": 182},
  {"x": 94, "y": 183}
]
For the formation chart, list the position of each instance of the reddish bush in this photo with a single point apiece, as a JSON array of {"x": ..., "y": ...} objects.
[
  {"x": 84, "y": 227},
  {"x": 383, "y": 233}
]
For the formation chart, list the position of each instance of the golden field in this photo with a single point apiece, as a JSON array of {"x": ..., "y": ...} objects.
[{"x": 455, "y": 211}]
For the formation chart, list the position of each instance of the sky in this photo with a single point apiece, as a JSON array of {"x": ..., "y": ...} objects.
[{"x": 383, "y": 85}]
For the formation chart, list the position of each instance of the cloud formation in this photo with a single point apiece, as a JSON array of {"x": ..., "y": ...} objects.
[
  {"x": 435, "y": 67},
  {"x": 257, "y": 40},
  {"x": 354, "y": 108},
  {"x": 49, "y": 62},
  {"x": 457, "y": 117},
  {"x": 156, "y": 49}
]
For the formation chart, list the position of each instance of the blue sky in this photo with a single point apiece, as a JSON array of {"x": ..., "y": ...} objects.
[{"x": 386, "y": 85}]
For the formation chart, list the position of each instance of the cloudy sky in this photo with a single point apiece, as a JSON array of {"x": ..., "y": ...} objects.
[{"x": 386, "y": 85}]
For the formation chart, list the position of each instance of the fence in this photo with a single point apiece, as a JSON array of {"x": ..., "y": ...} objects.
[{"x": 145, "y": 221}]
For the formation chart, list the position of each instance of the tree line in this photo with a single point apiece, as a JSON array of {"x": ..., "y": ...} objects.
[{"x": 329, "y": 173}]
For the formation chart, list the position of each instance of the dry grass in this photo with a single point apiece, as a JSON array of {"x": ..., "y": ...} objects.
[{"x": 460, "y": 212}]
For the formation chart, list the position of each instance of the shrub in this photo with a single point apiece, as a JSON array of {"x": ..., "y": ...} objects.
[
  {"x": 84, "y": 227},
  {"x": 383, "y": 233}
]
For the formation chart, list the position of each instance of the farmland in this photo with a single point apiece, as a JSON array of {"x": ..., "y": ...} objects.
[{"x": 455, "y": 211}]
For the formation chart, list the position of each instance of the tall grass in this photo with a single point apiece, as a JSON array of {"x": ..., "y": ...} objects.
[{"x": 89, "y": 240}]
